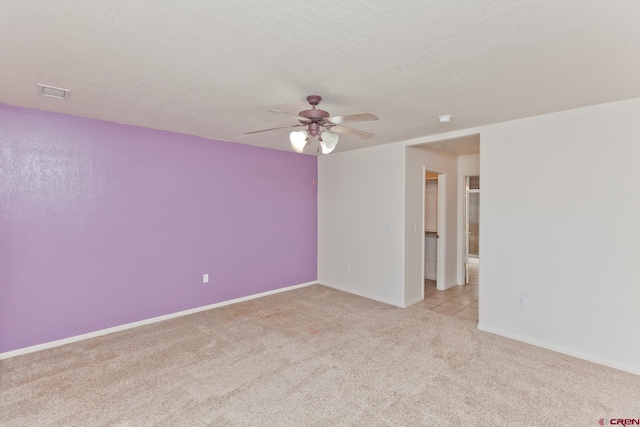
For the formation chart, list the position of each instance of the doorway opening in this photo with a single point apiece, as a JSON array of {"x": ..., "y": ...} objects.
[
  {"x": 459, "y": 301},
  {"x": 452, "y": 160},
  {"x": 472, "y": 230},
  {"x": 431, "y": 229},
  {"x": 434, "y": 213}
]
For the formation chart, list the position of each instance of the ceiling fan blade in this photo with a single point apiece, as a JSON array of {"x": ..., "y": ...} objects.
[
  {"x": 281, "y": 127},
  {"x": 306, "y": 120},
  {"x": 363, "y": 117},
  {"x": 360, "y": 133}
]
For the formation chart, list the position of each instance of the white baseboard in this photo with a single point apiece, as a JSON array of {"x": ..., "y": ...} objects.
[
  {"x": 558, "y": 349},
  {"x": 451, "y": 285},
  {"x": 415, "y": 301},
  {"x": 361, "y": 294},
  {"x": 106, "y": 331}
]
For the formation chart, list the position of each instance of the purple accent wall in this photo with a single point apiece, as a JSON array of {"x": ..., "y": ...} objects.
[{"x": 103, "y": 224}]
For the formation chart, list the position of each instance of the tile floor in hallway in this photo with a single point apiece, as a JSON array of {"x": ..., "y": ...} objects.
[{"x": 459, "y": 301}]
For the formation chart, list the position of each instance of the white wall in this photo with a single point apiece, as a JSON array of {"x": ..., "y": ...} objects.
[
  {"x": 467, "y": 166},
  {"x": 558, "y": 217},
  {"x": 413, "y": 261},
  {"x": 559, "y": 222},
  {"x": 361, "y": 193}
]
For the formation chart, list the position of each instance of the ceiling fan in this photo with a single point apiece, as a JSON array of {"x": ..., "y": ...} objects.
[{"x": 315, "y": 120}]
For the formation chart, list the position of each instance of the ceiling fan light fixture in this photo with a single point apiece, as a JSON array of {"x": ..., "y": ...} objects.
[
  {"x": 328, "y": 141},
  {"x": 315, "y": 120},
  {"x": 299, "y": 140}
]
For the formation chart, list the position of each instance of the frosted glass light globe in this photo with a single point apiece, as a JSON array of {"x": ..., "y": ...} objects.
[
  {"x": 299, "y": 140},
  {"x": 328, "y": 142}
]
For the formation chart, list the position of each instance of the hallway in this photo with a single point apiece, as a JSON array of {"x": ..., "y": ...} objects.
[{"x": 458, "y": 301}]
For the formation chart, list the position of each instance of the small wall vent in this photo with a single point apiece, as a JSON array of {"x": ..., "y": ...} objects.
[{"x": 53, "y": 92}]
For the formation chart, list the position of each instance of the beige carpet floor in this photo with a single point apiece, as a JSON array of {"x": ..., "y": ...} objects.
[{"x": 310, "y": 357}]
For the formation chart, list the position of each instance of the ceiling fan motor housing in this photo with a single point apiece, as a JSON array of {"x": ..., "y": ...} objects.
[{"x": 315, "y": 116}]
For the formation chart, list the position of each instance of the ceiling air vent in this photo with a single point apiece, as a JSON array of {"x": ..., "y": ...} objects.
[{"x": 53, "y": 92}]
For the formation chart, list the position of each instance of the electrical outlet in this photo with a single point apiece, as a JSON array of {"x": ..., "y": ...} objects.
[
  {"x": 522, "y": 300},
  {"x": 205, "y": 278}
]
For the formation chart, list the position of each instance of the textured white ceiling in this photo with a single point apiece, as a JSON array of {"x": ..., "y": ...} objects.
[{"x": 214, "y": 68}]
